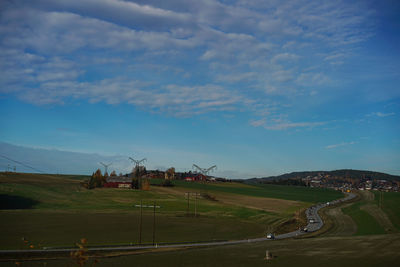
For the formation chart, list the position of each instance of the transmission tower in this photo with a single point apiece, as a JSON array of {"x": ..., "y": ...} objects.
[
  {"x": 105, "y": 166},
  {"x": 204, "y": 171},
  {"x": 137, "y": 162}
]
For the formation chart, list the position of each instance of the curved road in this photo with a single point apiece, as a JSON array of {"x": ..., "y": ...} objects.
[{"x": 311, "y": 213}]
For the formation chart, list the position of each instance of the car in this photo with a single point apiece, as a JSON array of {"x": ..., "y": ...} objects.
[
  {"x": 270, "y": 236},
  {"x": 311, "y": 220},
  {"x": 304, "y": 229}
]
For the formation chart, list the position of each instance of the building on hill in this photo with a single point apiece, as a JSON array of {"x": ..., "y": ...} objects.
[
  {"x": 197, "y": 177},
  {"x": 118, "y": 182}
]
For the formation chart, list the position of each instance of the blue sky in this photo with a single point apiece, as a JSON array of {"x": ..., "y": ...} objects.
[{"x": 256, "y": 87}]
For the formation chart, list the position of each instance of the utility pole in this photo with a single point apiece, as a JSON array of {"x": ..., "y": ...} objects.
[
  {"x": 195, "y": 205},
  {"x": 141, "y": 206},
  {"x": 188, "y": 196},
  {"x": 140, "y": 224},
  {"x": 154, "y": 222}
]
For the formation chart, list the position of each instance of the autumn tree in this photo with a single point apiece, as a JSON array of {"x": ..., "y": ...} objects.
[
  {"x": 170, "y": 174},
  {"x": 97, "y": 180}
]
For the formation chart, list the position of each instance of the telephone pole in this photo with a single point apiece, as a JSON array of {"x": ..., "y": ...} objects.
[
  {"x": 154, "y": 222},
  {"x": 140, "y": 224},
  {"x": 141, "y": 206},
  {"x": 188, "y": 196},
  {"x": 195, "y": 205}
]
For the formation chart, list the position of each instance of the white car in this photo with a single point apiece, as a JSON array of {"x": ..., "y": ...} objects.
[{"x": 270, "y": 236}]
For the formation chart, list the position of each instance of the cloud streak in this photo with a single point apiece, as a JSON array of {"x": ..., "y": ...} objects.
[
  {"x": 180, "y": 57},
  {"x": 381, "y": 114},
  {"x": 340, "y": 145},
  {"x": 279, "y": 124}
]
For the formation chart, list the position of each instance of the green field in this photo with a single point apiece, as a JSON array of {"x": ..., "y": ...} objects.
[
  {"x": 297, "y": 193},
  {"x": 378, "y": 250},
  {"x": 55, "y": 210},
  {"x": 366, "y": 224},
  {"x": 51, "y": 228},
  {"x": 391, "y": 205},
  {"x": 354, "y": 251},
  {"x": 367, "y": 215}
]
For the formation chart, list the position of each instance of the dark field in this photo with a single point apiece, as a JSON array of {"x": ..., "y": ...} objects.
[
  {"x": 379, "y": 250},
  {"x": 55, "y": 210},
  {"x": 390, "y": 203},
  {"x": 297, "y": 193},
  {"x": 49, "y": 210}
]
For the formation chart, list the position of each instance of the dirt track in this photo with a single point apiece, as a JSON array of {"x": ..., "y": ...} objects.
[
  {"x": 379, "y": 216},
  {"x": 344, "y": 224}
]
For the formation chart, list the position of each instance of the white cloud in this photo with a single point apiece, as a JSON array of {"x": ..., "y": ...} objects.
[
  {"x": 340, "y": 145},
  {"x": 284, "y": 57},
  {"x": 172, "y": 99},
  {"x": 381, "y": 114},
  {"x": 288, "y": 125},
  {"x": 138, "y": 52},
  {"x": 283, "y": 124},
  {"x": 258, "y": 123},
  {"x": 312, "y": 79}
]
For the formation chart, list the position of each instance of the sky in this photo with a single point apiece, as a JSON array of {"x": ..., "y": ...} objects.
[{"x": 256, "y": 87}]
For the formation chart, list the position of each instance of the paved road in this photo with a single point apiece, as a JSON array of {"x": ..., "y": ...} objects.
[
  {"x": 314, "y": 220},
  {"x": 312, "y": 213}
]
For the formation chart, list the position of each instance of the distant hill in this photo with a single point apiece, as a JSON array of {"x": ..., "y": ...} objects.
[{"x": 346, "y": 173}]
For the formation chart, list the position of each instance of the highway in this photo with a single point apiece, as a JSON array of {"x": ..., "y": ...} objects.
[
  {"x": 311, "y": 213},
  {"x": 314, "y": 220}
]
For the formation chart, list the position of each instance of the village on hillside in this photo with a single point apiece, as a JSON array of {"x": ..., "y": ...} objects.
[{"x": 348, "y": 184}]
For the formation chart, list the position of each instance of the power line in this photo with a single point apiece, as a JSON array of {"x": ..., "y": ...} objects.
[{"x": 23, "y": 164}]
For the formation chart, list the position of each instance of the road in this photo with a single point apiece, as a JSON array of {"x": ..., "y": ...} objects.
[
  {"x": 314, "y": 220},
  {"x": 311, "y": 213}
]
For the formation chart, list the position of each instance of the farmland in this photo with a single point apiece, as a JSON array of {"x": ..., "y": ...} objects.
[
  {"x": 376, "y": 250},
  {"x": 296, "y": 193},
  {"x": 350, "y": 251},
  {"x": 363, "y": 216},
  {"x": 369, "y": 217},
  {"x": 50, "y": 210},
  {"x": 37, "y": 207},
  {"x": 390, "y": 205},
  {"x": 366, "y": 224}
]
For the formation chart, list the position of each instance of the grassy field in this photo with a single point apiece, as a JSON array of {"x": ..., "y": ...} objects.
[
  {"x": 47, "y": 228},
  {"x": 367, "y": 215},
  {"x": 378, "y": 250},
  {"x": 296, "y": 193},
  {"x": 366, "y": 224},
  {"x": 340, "y": 224},
  {"x": 390, "y": 205},
  {"x": 55, "y": 210},
  {"x": 363, "y": 251}
]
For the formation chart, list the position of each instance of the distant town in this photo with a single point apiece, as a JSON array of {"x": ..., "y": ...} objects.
[
  {"x": 343, "y": 180},
  {"x": 345, "y": 184}
]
